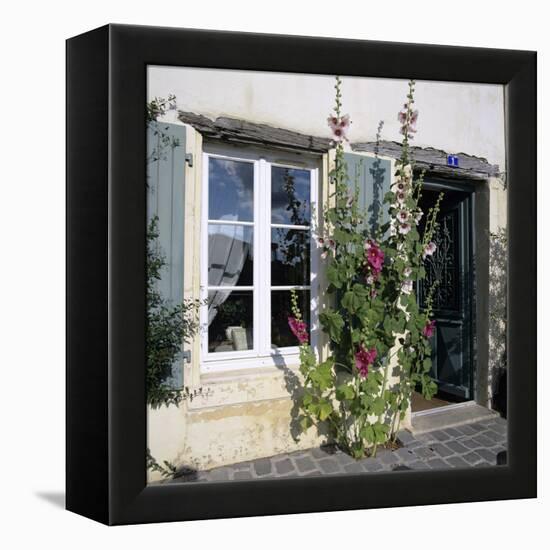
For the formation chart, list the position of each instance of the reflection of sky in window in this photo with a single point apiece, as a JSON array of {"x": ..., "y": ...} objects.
[
  {"x": 290, "y": 196},
  {"x": 231, "y": 190}
]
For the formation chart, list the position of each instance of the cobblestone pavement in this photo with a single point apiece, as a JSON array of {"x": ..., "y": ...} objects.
[{"x": 475, "y": 444}]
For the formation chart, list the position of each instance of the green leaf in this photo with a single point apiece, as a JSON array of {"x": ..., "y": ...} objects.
[
  {"x": 333, "y": 323},
  {"x": 345, "y": 392},
  {"x": 325, "y": 408}
]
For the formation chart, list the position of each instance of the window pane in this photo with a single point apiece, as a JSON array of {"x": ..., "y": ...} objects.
[
  {"x": 289, "y": 257},
  {"x": 290, "y": 196},
  {"x": 281, "y": 335},
  {"x": 230, "y": 315},
  {"x": 230, "y": 255},
  {"x": 230, "y": 190}
]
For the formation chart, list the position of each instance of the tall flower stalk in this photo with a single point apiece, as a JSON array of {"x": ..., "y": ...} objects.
[{"x": 374, "y": 320}]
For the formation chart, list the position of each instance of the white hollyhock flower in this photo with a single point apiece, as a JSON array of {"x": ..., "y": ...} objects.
[
  {"x": 429, "y": 249},
  {"x": 407, "y": 286}
]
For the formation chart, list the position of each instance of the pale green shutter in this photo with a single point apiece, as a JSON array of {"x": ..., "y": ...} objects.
[
  {"x": 165, "y": 199},
  {"x": 372, "y": 175}
]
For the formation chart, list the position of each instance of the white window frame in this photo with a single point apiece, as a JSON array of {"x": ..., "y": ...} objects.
[{"x": 262, "y": 354}]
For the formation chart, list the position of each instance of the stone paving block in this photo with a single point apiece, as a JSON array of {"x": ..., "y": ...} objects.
[
  {"x": 305, "y": 464},
  {"x": 478, "y": 427},
  {"x": 242, "y": 475},
  {"x": 219, "y": 474},
  {"x": 499, "y": 420},
  {"x": 405, "y": 437},
  {"x": 457, "y": 447},
  {"x": 487, "y": 455},
  {"x": 442, "y": 450},
  {"x": 499, "y": 429},
  {"x": 437, "y": 464},
  {"x": 319, "y": 452},
  {"x": 493, "y": 436},
  {"x": 329, "y": 466},
  {"x": 424, "y": 452},
  {"x": 457, "y": 462},
  {"x": 372, "y": 465},
  {"x": 418, "y": 465},
  {"x": 343, "y": 459},
  {"x": 284, "y": 466},
  {"x": 440, "y": 435},
  {"x": 263, "y": 466},
  {"x": 483, "y": 441},
  {"x": 385, "y": 456},
  {"x": 472, "y": 457},
  {"x": 452, "y": 432},
  {"x": 466, "y": 429},
  {"x": 405, "y": 454},
  {"x": 354, "y": 468},
  {"x": 469, "y": 442}
]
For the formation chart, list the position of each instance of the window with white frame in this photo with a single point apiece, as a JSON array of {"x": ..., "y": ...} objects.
[{"x": 257, "y": 216}]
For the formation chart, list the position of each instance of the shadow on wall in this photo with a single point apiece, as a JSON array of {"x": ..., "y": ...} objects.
[{"x": 498, "y": 255}]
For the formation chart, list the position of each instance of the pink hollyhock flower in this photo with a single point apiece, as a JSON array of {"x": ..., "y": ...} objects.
[
  {"x": 404, "y": 228},
  {"x": 339, "y": 135},
  {"x": 400, "y": 196},
  {"x": 339, "y": 127},
  {"x": 363, "y": 359},
  {"x": 321, "y": 241},
  {"x": 418, "y": 216},
  {"x": 429, "y": 249},
  {"x": 402, "y": 216},
  {"x": 429, "y": 329},
  {"x": 332, "y": 121},
  {"x": 345, "y": 122},
  {"x": 402, "y": 116},
  {"x": 299, "y": 329}
]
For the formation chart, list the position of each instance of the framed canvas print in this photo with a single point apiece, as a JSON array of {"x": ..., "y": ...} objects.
[{"x": 301, "y": 274}]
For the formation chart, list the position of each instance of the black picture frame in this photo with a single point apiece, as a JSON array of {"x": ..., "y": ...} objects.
[{"x": 106, "y": 205}]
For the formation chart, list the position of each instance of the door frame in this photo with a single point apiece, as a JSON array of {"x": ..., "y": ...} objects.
[{"x": 478, "y": 243}]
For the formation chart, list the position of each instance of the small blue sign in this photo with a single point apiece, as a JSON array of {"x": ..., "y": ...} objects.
[{"x": 452, "y": 160}]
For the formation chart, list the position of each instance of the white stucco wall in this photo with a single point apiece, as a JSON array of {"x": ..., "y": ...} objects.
[{"x": 456, "y": 117}]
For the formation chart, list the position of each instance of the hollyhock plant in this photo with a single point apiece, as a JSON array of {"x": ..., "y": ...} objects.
[{"x": 378, "y": 352}]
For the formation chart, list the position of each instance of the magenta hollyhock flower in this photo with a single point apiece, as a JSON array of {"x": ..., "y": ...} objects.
[
  {"x": 375, "y": 257},
  {"x": 299, "y": 329},
  {"x": 363, "y": 359},
  {"x": 428, "y": 330}
]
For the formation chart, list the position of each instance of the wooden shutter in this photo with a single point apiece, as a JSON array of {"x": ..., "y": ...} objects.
[
  {"x": 373, "y": 177},
  {"x": 166, "y": 199}
]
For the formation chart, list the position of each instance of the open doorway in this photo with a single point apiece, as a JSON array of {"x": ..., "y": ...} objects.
[{"x": 453, "y": 358}]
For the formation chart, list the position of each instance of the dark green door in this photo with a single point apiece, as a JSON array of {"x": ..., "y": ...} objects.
[{"x": 453, "y": 297}]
